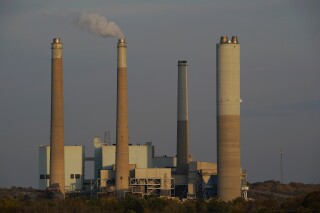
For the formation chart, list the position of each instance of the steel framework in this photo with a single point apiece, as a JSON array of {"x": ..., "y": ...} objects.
[{"x": 153, "y": 186}]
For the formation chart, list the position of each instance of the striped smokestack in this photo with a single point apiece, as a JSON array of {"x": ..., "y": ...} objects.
[
  {"x": 182, "y": 120},
  {"x": 57, "y": 118},
  {"x": 228, "y": 118},
  {"x": 122, "y": 148}
]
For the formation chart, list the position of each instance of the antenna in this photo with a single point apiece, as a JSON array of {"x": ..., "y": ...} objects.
[
  {"x": 107, "y": 138},
  {"x": 281, "y": 163}
]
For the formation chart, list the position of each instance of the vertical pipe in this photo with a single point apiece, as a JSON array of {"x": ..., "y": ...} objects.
[
  {"x": 122, "y": 140},
  {"x": 57, "y": 118},
  {"x": 228, "y": 118},
  {"x": 182, "y": 120}
]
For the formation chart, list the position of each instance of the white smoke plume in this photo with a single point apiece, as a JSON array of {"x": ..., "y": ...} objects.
[{"x": 99, "y": 25}]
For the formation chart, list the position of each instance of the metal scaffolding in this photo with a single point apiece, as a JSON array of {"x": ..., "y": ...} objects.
[{"x": 153, "y": 186}]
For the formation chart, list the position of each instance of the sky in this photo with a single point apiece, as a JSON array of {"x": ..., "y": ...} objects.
[{"x": 280, "y": 73}]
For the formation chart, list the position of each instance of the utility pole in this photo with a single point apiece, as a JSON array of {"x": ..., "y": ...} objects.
[{"x": 281, "y": 164}]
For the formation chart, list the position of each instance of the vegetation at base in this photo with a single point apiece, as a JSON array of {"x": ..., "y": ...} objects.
[
  {"x": 31, "y": 200},
  {"x": 290, "y": 189},
  {"x": 131, "y": 204}
]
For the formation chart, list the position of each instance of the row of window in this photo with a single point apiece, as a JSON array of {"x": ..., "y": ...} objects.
[
  {"x": 75, "y": 176},
  {"x": 72, "y": 176},
  {"x": 45, "y": 176}
]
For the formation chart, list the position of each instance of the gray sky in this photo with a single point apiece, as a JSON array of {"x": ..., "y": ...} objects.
[{"x": 279, "y": 80}]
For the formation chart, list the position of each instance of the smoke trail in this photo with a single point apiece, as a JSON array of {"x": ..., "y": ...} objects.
[{"x": 99, "y": 25}]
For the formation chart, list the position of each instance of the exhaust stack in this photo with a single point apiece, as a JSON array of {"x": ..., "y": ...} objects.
[
  {"x": 57, "y": 118},
  {"x": 228, "y": 118},
  {"x": 122, "y": 140},
  {"x": 182, "y": 120}
]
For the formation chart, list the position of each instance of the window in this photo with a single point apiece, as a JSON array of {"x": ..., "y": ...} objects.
[
  {"x": 72, "y": 176},
  {"x": 47, "y": 176},
  {"x": 77, "y": 176},
  {"x": 42, "y": 176}
]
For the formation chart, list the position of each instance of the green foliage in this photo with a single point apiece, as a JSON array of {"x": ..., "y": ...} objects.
[
  {"x": 132, "y": 204},
  {"x": 8, "y": 204},
  {"x": 312, "y": 200},
  {"x": 201, "y": 206},
  {"x": 110, "y": 205},
  {"x": 216, "y": 205},
  {"x": 239, "y": 205}
]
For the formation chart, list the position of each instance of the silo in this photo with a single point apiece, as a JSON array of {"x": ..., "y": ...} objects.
[
  {"x": 57, "y": 177},
  {"x": 182, "y": 120},
  {"x": 122, "y": 138},
  {"x": 228, "y": 118}
]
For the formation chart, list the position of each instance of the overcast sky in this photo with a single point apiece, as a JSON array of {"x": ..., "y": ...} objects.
[{"x": 280, "y": 74}]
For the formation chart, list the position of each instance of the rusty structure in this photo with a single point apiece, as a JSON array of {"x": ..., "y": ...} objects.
[
  {"x": 57, "y": 176},
  {"x": 228, "y": 118},
  {"x": 122, "y": 138},
  {"x": 182, "y": 120}
]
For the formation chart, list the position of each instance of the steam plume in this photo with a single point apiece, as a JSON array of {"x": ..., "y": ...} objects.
[{"x": 99, "y": 25}]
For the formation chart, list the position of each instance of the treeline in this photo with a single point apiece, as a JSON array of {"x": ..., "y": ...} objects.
[
  {"x": 308, "y": 203},
  {"x": 292, "y": 188}
]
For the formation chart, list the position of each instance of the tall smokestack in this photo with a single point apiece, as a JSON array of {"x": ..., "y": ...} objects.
[
  {"x": 122, "y": 148},
  {"x": 182, "y": 120},
  {"x": 57, "y": 118},
  {"x": 228, "y": 118}
]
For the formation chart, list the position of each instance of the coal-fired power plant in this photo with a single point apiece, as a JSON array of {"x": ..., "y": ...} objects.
[
  {"x": 182, "y": 120},
  {"x": 228, "y": 118},
  {"x": 123, "y": 169},
  {"x": 122, "y": 138},
  {"x": 57, "y": 177}
]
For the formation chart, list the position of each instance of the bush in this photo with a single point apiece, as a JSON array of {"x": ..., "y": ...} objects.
[
  {"x": 216, "y": 205},
  {"x": 8, "y": 204},
  {"x": 312, "y": 200}
]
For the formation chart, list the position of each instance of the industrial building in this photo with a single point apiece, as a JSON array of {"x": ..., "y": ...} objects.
[
  {"x": 160, "y": 177},
  {"x": 123, "y": 168},
  {"x": 74, "y": 157}
]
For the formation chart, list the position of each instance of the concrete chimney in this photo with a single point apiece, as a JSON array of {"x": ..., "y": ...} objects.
[
  {"x": 182, "y": 120},
  {"x": 57, "y": 118},
  {"x": 122, "y": 138},
  {"x": 228, "y": 118}
]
